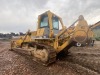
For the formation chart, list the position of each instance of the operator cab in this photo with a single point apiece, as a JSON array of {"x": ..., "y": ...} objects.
[
  {"x": 45, "y": 24},
  {"x": 48, "y": 23}
]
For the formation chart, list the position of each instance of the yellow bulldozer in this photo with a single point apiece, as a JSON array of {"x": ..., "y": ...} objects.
[{"x": 45, "y": 43}]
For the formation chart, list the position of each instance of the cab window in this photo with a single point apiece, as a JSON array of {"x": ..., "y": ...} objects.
[{"x": 44, "y": 21}]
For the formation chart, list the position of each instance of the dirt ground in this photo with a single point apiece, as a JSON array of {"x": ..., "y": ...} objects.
[{"x": 80, "y": 61}]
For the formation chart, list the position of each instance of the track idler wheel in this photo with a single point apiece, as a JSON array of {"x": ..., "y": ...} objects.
[{"x": 45, "y": 56}]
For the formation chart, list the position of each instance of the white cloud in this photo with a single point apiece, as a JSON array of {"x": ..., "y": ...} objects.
[{"x": 21, "y": 15}]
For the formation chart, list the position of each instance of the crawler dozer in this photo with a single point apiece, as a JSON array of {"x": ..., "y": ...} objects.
[{"x": 45, "y": 43}]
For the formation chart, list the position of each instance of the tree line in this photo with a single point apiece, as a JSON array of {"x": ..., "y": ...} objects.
[{"x": 9, "y": 35}]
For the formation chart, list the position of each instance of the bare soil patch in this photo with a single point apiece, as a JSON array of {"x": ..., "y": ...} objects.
[{"x": 14, "y": 63}]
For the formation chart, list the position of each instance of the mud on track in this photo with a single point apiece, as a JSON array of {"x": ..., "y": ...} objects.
[{"x": 14, "y": 63}]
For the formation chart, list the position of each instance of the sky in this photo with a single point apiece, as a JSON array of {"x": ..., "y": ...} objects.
[{"x": 21, "y": 15}]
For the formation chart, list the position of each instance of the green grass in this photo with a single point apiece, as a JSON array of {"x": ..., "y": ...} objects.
[{"x": 97, "y": 34}]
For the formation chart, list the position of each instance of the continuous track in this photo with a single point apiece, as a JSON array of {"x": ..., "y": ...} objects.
[{"x": 51, "y": 53}]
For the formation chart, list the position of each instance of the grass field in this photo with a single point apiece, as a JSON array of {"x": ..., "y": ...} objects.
[{"x": 97, "y": 34}]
